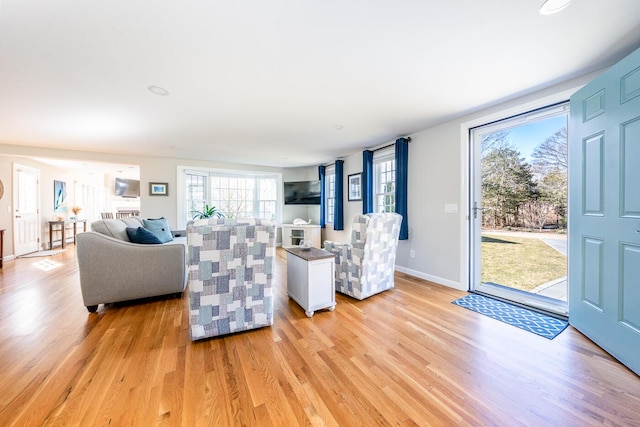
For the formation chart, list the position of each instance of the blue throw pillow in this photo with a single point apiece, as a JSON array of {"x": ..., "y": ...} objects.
[
  {"x": 159, "y": 227},
  {"x": 142, "y": 235}
]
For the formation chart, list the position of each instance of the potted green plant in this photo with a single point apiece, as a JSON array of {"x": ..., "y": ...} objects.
[{"x": 207, "y": 212}]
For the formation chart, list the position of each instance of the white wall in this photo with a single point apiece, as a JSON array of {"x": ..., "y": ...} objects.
[
  {"x": 306, "y": 212},
  {"x": 48, "y": 174},
  {"x": 434, "y": 180},
  {"x": 116, "y": 203},
  {"x": 152, "y": 169},
  {"x": 437, "y": 176}
]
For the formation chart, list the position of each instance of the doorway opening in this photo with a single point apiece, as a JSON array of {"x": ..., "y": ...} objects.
[{"x": 518, "y": 205}]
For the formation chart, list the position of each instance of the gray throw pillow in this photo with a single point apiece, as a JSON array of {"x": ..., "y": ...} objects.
[
  {"x": 133, "y": 221},
  {"x": 111, "y": 227}
]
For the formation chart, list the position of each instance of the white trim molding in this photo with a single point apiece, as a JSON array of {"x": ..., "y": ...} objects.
[{"x": 432, "y": 278}]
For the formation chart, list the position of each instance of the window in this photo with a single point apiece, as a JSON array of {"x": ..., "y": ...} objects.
[
  {"x": 330, "y": 193},
  {"x": 384, "y": 181},
  {"x": 196, "y": 190},
  {"x": 236, "y": 194},
  {"x": 91, "y": 199}
]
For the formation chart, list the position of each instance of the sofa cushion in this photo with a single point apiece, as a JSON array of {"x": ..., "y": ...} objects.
[
  {"x": 160, "y": 228},
  {"x": 142, "y": 235},
  {"x": 133, "y": 221},
  {"x": 111, "y": 227}
]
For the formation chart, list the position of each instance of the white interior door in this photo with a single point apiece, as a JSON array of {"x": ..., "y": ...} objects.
[
  {"x": 26, "y": 209},
  {"x": 604, "y": 206}
]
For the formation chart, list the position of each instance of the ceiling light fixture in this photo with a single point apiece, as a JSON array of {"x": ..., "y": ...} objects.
[
  {"x": 553, "y": 6},
  {"x": 158, "y": 90},
  {"x": 337, "y": 127}
]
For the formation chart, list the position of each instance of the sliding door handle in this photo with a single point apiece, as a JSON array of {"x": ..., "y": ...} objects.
[{"x": 476, "y": 209}]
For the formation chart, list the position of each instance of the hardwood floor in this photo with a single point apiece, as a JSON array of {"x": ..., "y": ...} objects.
[{"x": 405, "y": 357}]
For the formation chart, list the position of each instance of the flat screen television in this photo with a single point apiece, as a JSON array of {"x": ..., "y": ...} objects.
[
  {"x": 302, "y": 193},
  {"x": 127, "y": 187}
]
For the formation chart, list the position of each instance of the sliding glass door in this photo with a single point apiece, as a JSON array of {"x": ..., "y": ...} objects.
[{"x": 519, "y": 208}]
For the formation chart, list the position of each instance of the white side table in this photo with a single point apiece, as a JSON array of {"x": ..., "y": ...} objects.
[{"x": 310, "y": 278}]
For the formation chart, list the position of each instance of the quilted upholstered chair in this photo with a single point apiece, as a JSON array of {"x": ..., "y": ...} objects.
[
  {"x": 231, "y": 264},
  {"x": 366, "y": 266}
]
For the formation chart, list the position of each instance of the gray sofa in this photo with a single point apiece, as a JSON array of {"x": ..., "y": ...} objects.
[{"x": 114, "y": 269}]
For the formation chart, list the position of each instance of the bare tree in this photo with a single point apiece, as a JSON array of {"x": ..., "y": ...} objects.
[
  {"x": 552, "y": 154},
  {"x": 550, "y": 164},
  {"x": 535, "y": 213},
  {"x": 494, "y": 141}
]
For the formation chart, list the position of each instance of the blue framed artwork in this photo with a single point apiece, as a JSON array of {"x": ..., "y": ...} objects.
[
  {"x": 59, "y": 196},
  {"x": 158, "y": 189}
]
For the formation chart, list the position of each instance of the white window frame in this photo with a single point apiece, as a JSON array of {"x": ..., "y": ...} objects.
[
  {"x": 381, "y": 158},
  {"x": 329, "y": 193},
  {"x": 183, "y": 216},
  {"x": 183, "y": 187}
]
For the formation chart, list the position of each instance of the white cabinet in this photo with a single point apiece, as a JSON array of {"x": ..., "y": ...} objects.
[
  {"x": 310, "y": 278},
  {"x": 293, "y": 234}
]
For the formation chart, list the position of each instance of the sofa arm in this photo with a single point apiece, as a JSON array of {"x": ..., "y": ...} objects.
[{"x": 113, "y": 270}]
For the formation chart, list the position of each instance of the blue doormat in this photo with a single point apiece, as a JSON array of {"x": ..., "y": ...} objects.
[{"x": 529, "y": 320}]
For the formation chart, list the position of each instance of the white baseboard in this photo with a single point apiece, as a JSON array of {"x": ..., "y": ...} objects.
[
  {"x": 431, "y": 278},
  {"x": 8, "y": 258}
]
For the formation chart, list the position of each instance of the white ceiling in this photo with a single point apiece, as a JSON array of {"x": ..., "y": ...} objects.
[{"x": 268, "y": 82}]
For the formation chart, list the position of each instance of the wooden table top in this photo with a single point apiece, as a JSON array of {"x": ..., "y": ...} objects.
[{"x": 308, "y": 254}]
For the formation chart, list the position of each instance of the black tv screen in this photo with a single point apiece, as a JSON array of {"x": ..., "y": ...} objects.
[
  {"x": 127, "y": 187},
  {"x": 302, "y": 193}
]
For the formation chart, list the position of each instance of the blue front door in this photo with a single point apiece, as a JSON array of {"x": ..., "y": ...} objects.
[{"x": 604, "y": 211}]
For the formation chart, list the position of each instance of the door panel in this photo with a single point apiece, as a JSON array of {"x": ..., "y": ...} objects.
[
  {"x": 26, "y": 200},
  {"x": 594, "y": 186},
  {"x": 604, "y": 207},
  {"x": 629, "y": 289},
  {"x": 631, "y": 171},
  {"x": 592, "y": 280}
]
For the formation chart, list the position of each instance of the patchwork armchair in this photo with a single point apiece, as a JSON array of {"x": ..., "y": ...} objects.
[
  {"x": 366, "y": 266},
  {"x": 230, "y": 267}
]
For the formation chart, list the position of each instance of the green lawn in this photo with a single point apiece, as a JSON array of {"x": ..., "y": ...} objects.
[{"x": 520, "y": 263}]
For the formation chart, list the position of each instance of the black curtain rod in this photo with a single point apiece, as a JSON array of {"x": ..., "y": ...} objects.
[{"x": 408, "y": 138}]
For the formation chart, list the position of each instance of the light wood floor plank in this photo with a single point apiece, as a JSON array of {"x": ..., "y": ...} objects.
[{"x": 406, "y": 357}]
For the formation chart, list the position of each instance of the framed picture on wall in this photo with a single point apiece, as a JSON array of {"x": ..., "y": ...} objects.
[
  {"x": 59, "y": 196},
  {"x": 354, "y": 188},
  {"x": 158, "y": 189}
]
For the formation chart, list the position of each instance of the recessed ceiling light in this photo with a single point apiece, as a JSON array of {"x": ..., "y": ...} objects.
[
  {"x": 158, "y": 90},
  {"x": 337, "y": 127},
  {"x": 553, "y": 6}
]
